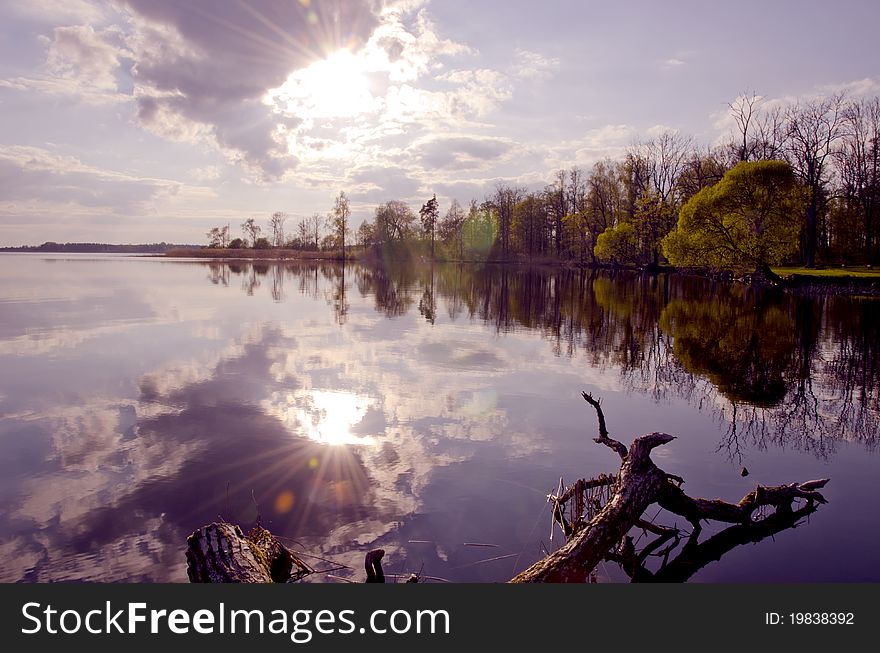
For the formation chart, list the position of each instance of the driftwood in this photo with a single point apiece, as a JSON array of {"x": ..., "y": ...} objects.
[
  {"x": 596, "y": 530},
  {"x": 641, "y": 483}
]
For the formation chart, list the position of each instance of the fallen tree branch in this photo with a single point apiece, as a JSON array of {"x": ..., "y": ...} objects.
[
  {"x": 639, "y": 484},
  {"x": 673, "y": 499}
]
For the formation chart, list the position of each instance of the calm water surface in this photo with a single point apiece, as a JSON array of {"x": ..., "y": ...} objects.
[{"x": 413, "y": 408}]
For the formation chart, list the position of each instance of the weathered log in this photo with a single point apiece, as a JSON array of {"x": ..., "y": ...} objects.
[
  {"x": 221, "y": 553},
  {"x": 640, "y": 483}
]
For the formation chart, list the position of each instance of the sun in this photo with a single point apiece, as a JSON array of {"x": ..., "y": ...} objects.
[{"x": 334, "y": 87}]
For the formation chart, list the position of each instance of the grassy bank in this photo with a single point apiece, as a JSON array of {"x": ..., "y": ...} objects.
[{"x": 829, "y": 273}]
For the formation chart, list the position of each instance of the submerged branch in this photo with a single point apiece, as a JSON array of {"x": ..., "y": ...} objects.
[{"x": 640, "y": 483}]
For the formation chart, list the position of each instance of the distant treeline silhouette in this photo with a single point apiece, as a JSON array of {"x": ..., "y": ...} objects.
[{"x": 96, "y": 248}]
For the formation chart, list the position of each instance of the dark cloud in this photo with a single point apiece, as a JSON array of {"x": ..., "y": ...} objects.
[
  {"x": 208, "y": 64},
  {"x": 461, "y": 152},
  {"x": 387, "y": 183}
]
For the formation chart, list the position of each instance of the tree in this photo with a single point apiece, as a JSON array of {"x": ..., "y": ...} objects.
[
  {"x": 504, "y": 201},
  {"x": 251, "y": 231},
  {"x": 429, "y": 213},
  {"x": 557, "y": 208},
  {"x": 480, "y": 229},
  {"x": 303, "y": 234},
  {"x": 662, "y": 160},
  {"x": 218, "y": 236},
  {"x": 276, "y": 225},
  {"x": 366, "y": 234},
  {"x": 743, "y": 110},
  {"x": 316, "y": 223},
  {"x": 339, "y": 219},
  {"x": 752, "y": 217},
  {"x": 394, "y": 222},
  {"x": 529, "y": 220},
  {"x": 451, "y": 227},
  {"x": 813, "y": 130},
  {"x": 858, "y": 164},
  {"x": 617, "y": 244}
]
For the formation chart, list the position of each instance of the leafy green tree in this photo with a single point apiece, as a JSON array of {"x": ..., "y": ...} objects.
[
  {"x": 751, "y": 218},
  {"x": 480, "y": 229},
  {"x": 618, "y": 245}
]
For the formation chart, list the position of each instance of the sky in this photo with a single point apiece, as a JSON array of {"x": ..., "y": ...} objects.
[{"x": 129, "y": 121}]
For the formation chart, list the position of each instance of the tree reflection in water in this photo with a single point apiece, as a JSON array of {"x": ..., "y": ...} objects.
[{"x": 779, "y": 369}]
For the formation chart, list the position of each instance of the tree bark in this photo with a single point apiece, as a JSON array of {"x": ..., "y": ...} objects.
[{"x": 222, "y": 553}]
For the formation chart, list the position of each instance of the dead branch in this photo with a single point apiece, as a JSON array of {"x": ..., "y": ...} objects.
[
  {"x": 640, "y": 483},
  {"x": 603, "y": 438}
]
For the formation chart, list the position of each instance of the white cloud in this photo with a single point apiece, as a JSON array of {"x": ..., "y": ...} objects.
[{"x": 532, "y": 65}]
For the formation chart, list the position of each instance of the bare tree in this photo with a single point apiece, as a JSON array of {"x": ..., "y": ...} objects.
[
  {"x": 218, "y": 237},
  {"x": 557, "y": 207},
  {"x": 339, "y": 219},
  {"x": 394, "y": 222},
  {"x": 276, "y": 225},
  {"x": 504, "y": 200},
  {"x": 814, "y": 127},
  {"x": 251, "y": 231},
  {"x": 743, "y": 110},
  {"x": 858, "y": 162},
  {"x": 316, "y": 221},
  {"x": 663, "y": 159},
  {"x": 771, "y": 133},
  {"x": 451, "y": 227}
]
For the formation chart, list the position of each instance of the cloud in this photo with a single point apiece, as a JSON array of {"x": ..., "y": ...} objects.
[
  {"x": 602, "y": 142},
  {"x": 80, "y": 62},
  {"x": 531, "y": 65},
  {"x": 54, "y": 10},
  {"x": 201, "y": 68},
  {"x": 460, "y": 152},
  {"x": 380, "y": 183},
  {"x": 31, "y": 173}
]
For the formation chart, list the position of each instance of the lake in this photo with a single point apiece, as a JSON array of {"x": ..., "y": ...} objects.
[{"x": 420, "y": 409}]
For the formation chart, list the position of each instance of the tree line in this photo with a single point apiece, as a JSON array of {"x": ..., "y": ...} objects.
[{"x": 662, "y": 201}]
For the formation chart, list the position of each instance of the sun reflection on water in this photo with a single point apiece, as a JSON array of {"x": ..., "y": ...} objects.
[{"x": 324, "y": 416}]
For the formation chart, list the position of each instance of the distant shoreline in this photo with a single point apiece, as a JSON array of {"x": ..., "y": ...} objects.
[{"x": 95, "y": 248}]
